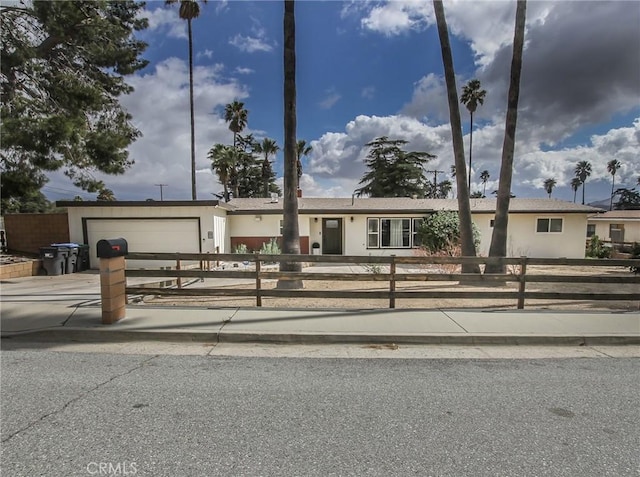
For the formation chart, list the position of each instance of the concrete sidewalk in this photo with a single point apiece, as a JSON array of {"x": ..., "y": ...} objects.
[{"x": 60, "y": 320}]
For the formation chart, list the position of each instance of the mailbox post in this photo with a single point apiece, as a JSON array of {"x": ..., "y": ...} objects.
[{"x": 111, "y": 253}]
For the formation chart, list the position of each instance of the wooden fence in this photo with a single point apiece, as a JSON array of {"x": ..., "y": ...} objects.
[{"x": 208, "y": 267}]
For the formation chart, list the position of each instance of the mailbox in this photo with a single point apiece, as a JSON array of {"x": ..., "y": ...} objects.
[{"x": 109, "y": 248}]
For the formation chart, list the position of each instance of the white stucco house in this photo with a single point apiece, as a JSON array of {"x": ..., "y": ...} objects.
[
  {"x": 338, "y": 226},
  {"x": 617, "y": 226}
]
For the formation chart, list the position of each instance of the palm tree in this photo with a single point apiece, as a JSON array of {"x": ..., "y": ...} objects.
[
  {"x": 464, "y": 208},
  {"x": 302, "y": 149},
  {"x": 290, "y": 228},
  {"x": 575, "y": 185},
  {"x": 613, "y": 166},
  {"x": 498, "y": 247},
  {"x": 582, "y": 171},
  {"x": 222, "y": 162},
  {"x": 484, "y": 177},
  {"x": 236, "y": 115},
  {"x": 549, "y": 184},
  {"x": 472, "y": 96},
  {"x": 189, "y": 9},
  {"x": 106, "y": 195},
  {"x": 268, "y": 147}
]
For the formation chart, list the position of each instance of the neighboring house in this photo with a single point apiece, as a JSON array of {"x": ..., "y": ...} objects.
[
  {"x": 339, "y": 226},
  {"x": 616, "y": 226}
]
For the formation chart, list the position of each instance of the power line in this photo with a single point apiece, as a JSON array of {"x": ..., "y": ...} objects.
[
  {"x": 162, "y": 186},
  {"x": 435, "y": 181}
]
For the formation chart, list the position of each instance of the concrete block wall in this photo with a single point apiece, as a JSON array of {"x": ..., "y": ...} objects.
[
  {"x": 28, "y": 232},
  {"x": 20, "y": 269}
]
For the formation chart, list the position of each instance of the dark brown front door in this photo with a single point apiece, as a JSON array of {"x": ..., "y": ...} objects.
[{"x": 332, "y": 236}]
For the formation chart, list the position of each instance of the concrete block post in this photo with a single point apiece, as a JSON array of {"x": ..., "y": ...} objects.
[{"x": 112, "y": 289}]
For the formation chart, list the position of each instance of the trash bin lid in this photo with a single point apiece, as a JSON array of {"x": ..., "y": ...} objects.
[{"x": 67, "y": 245}]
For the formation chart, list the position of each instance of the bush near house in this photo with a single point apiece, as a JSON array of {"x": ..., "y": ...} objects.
[
  {"x": 635, "y": 253},
  {"x": 597, "y": 249},
  {"x": 440, "y": 232},
  {"x": 270, "y": 248}
]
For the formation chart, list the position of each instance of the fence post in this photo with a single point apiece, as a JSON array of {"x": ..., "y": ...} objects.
[
  {"x": 112, "y": 289},
  {"x": 217, "y": 252},
  {"x": 392, "y": 282},
  {"x": 178, "y": 268},
  {"x": 258, "y": 287},
  {"x": 522, "y": 282}
]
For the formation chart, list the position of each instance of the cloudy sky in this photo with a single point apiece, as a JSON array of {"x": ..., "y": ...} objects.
[{"x": 367, "y": 69}]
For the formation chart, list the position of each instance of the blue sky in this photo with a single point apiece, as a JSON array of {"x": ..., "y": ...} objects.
[{"x": 367, "y": 69}]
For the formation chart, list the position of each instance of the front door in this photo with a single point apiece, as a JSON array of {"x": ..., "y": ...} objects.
[{"x": 332, "y": 236}]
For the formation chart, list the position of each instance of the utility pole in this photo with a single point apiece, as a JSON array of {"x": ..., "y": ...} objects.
[
  {"x": 435, "y": 182},
  {"x": 161, "y": 187}
]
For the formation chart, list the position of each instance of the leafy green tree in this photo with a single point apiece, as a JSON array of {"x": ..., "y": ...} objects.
[
  {"x": 290, "y": 228},
  {"x": 32, "y": 201},
  {"x": 106, "y": 195},
  {"x": 582, "y": 171},
  {"x": 628, "y": 199},
  {"x": 472, "y": 96},
  {"x": 498, "y": 247},
  {"x": 477, "y": 195},
  {"x": 268, "y": 148},
  {"x": 302, "y": 149},
  {"x": 189, "y": 10},
  {"x": 612, "y": 167},
  {"x": 441, "y": 232},
  {"x": 394, "y": 172},
  {"x": 464, "y": 208},
  {"x": 236, "y": 115},
  {"x": 484, "y": 177},
  {"x": 548, "y": 185},
  {"x": 63, "y": 67}
]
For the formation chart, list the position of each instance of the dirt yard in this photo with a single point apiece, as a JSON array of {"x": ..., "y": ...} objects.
[{"x": 439, "y": 303}]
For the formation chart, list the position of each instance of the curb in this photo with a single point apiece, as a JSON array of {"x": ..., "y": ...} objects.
[{"x": 96, "y": 335}]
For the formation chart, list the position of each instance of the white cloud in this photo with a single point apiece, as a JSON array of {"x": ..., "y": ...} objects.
[
  {"x": 244, "y": 71},
  {"x": 330, "y": 99},
  {"x": 204, "y": 54},
  {"x": 160, "y": 109},
  {"x": 250, "y": 44},
  {"x": 368, "y": 92},
  {"x": 167, "y": 20}
]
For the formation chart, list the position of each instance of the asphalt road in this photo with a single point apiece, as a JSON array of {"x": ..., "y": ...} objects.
[{"x": 79, "y": 414}]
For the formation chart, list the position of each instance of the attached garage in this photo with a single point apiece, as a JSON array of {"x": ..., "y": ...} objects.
[
  {"x": 146, "y": 235},
  {"x": 150, "y": 226}
]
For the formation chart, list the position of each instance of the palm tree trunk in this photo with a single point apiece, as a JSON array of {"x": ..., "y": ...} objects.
[
  {"x": 470, "y": 147},
  {"x": 498, "y": 246},
  {"x": 575, "y": 192},
  {"x": 583, "y": 184},
  {"x": 193, "y": 123},
  {"x": 290, "y": 229},
  {"x": 464, "y": 209},
  {"x": 613, "y": 181}
]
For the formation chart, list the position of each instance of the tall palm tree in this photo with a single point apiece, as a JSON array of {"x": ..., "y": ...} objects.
[
  {"x": 268, "y": 147},
  {"x": 189, "y": 9},
  {"x": 290, "y": 228},
  {"x": 549, "y": 184},
  {"x": 484, "y": 177},
  {"x": 613, "y": 166},
  {"x": 575, "y": 185},
  {"x": 472, "y": 96},
  {"x": 582, "y": 171},
  {"x": 236, "y": 115},
  {"x": 498, "y": 247},
  {"x": 222, "y": 162},
  {"x": 302, "y": 149},
  {"x": 464, "y": 208}
]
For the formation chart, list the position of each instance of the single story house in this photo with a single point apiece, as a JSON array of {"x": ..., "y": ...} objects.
[
  {"x": 616, "y": 226},
  {"x": 337, "y": 226}
]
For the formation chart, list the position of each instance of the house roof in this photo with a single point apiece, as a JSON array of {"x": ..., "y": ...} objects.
[
  {"x": 142, "y": 203},
  {"x": 312, "y": 205},
  {"x": 623, "y": 215}
]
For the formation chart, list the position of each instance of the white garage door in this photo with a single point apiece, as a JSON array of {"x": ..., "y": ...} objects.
[{"x": 146, "y": 235}]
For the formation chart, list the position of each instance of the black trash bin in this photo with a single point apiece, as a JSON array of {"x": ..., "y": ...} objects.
[
  {"x": 83, "y": 262},
  {"x": 54, "y": 259},
  {"x": 72, "y": 255}
]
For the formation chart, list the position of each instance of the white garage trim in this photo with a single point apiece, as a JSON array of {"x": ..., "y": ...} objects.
[{"x": 144, "y": 234}]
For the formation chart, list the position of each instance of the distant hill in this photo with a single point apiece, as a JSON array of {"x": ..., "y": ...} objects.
[{"x": 601, "y": 204}]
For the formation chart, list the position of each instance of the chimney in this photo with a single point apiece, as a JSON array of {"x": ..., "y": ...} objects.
[{"x": 299, "y": 192}]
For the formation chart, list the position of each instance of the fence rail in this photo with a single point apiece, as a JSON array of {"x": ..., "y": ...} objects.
[{"x": 518, "y": 266}]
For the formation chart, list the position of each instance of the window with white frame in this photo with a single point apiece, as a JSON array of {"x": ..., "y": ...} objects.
[
  {"x": 549, "y": 225},
  {"x": 393, "y": 233},
  {"x": 373, "y": 233},
  {"x": 281, "y": 226},
  {"x": 591, "y": 230},
  {"x": 415, "y": 241}
]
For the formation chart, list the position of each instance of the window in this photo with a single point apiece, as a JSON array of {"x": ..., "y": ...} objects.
[
  {"x": 616, "y": 232},
  {"x": 373, "y": 233},
  {"x": 395, "y": 233},
  {"x": 591, "y": 230},
  {"x": 415, "y": 241},
  {"x": 549, "y": 225},
  {"x": 281, "y": 226},
  {"x": 491, "y": 223}
]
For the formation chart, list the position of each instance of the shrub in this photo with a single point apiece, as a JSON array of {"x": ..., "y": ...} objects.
[
  {"x": 597, "y": 249},
  {"x": 270, "y": 248},
  {"x": 241, "y": 248},
  {"x": 635, "y": 253},
  {"x": 441, "y": 232}
]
